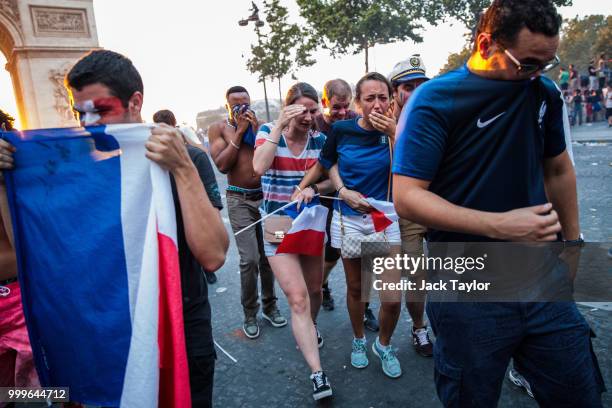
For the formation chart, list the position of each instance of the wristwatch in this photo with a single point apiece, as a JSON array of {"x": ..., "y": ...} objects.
[{"x": 574, "y": 242}]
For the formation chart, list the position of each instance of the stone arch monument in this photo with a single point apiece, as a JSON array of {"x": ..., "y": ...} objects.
[{"x": 41, "y": 39}]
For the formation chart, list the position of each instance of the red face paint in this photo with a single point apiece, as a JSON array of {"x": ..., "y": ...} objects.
[{"x": 101, "y": 111}]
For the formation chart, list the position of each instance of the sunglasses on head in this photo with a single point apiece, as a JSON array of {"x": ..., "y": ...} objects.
[{"x": 531, "y": 68}]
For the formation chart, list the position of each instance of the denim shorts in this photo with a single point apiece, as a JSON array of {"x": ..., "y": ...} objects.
[{"x": 549, "y": 342}]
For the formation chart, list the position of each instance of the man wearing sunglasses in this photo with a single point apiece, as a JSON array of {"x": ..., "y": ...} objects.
[{"x": 482, "y": 154}]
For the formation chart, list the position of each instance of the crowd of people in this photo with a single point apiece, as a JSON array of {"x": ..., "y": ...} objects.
[
  {"x": 588, "y": 97},
  {"x": 447, "y": 152}
]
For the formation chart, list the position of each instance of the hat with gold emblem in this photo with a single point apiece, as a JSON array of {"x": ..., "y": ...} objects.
[{"x": 408, "y": 70}]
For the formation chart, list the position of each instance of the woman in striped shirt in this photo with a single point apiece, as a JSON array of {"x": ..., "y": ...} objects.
[{"x": 284, "y": 151}]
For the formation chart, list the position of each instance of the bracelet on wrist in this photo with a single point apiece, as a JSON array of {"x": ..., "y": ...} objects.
[
  {"x": 234, "y": 145},
  {"x": 340, "y": 189},
  {"x": 574, "y": 242},
  {"x": 271, "y": 141},
  {"x": 314, "y": 188},
  {"x": 299, "y": 189}
]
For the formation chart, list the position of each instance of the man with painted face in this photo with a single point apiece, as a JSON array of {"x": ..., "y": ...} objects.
[
  {"x": 232, "y": 144},
  {"x": 106, "y": 88},
  {"x": 482, "y": 155},
  {"x": 405, "y": 78}
]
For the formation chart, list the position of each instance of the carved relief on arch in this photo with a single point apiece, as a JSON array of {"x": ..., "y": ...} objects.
[
  {"x": 60, "y": 95},
  {"x": 10, "y": 9},
  {"x": 59, "y": 21}
]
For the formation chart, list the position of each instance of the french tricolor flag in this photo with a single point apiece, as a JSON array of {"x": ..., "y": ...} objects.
[
  {"x": 96, "y": 241},
  {"x": 307, "y": 233},
  {"x": 383, "y": 214}
]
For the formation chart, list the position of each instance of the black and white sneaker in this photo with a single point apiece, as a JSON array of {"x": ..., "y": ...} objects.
[
  {"x": 319, "y": 337},
  {"x": 320, "y": 385},
  {"x": 421, "y": 342}
]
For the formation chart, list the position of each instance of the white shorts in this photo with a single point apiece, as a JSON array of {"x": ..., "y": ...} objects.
[{"x": 359, "y": 225}]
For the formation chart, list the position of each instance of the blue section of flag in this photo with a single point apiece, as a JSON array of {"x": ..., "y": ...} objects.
[
  {"x": 249, "y": 137},
  {"x": 65, "y": 199},
  {"x": 293, "y": 212}
]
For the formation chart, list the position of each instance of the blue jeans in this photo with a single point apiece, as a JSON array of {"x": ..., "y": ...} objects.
[{"x": 549, "y": 342}]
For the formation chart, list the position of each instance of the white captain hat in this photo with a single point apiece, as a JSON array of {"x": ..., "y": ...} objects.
[{"x": 408, "y": 70}]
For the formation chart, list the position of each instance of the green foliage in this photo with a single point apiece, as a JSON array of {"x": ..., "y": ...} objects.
[
  {"x": 282, "y": 49},
  {"x": 343, "y": 27},
  {"x": 582, "y": 40},
  {"x": 467, "y": 11},
  {"x": 456, "y": 60},
  {"x": 603, "y": 42}
]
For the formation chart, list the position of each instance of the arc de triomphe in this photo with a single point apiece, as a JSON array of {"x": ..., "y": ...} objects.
[{"x": 41, "y": 39}]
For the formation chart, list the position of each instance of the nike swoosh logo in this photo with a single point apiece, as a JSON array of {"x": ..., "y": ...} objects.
[{"x": 488, "y": 122}]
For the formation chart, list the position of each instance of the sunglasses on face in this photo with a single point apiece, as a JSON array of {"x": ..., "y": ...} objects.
[{"x": 531, "y": 68}]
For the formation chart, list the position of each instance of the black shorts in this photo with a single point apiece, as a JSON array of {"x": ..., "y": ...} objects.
[
  {"x": 201, "y": 377},
  {"x": 331, "y": 254},
  {"x": 608, "y": 112}
]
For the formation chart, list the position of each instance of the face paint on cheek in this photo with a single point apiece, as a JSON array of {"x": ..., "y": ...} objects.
[
  {"x": 87, "y": 113},
  {"x": 91, "y": 112},
  {"x": 111, "y": 106}
]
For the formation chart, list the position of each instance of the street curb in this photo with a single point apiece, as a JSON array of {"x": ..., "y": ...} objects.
[{"x": 592, "y": 141}]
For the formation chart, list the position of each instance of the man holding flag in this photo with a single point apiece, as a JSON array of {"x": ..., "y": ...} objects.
[{"x": 105, "y": 88}]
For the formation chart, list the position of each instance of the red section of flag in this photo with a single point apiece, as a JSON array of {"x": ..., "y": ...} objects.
[
  {"x": 174, "y": 388},
  {"x": 303, "y": 242},
  {"x": 380, "y": 220}
]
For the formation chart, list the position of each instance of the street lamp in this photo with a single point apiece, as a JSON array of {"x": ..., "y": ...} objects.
[{"x": 254, "y": 17}]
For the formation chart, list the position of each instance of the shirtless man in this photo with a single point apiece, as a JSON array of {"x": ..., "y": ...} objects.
[{"x": 231, "y": 148}]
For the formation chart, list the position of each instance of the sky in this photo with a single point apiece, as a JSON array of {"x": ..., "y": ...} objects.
[{"x": 189, "y": 52}]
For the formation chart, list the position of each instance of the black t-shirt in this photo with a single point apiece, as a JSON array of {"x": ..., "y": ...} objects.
[
  {"x": 196, "y": 309},
  {"x": 592, "y": 71},
  {"x": 577, "y": 100}
]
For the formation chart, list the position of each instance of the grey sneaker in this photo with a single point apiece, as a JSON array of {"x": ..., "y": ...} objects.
[
  {"x": 275, "y": 318},
  {"x": 251, "y": 328},
  {"x": 517, "y": 379}
]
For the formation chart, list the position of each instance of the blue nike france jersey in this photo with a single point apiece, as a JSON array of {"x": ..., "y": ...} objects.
[
  {"x": 481, "y": 142},
  {"x": 363, "y": 158}
]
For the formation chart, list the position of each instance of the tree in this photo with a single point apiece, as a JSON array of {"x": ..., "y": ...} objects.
[
  {"x": 457, "y": 59},
  {"x": 467, "y": 11},
  {"x": 283, "y": 50},
  {"x": 344, "y": 27},
  {"x": 582, "y": 40},
  {"x": 603, "y": 42},
  {"x": 260, "y": 64}
]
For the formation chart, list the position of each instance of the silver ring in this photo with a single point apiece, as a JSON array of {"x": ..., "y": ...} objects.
[{"x": 5, "y": 291}]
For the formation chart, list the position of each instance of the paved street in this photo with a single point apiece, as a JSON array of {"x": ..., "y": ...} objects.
[{"x": 270, "y": 371}]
